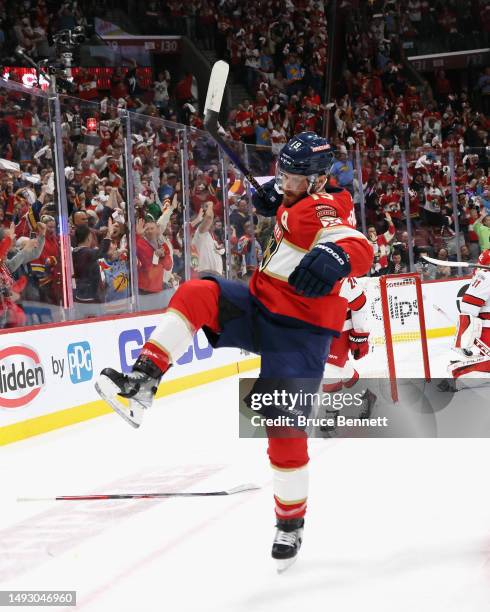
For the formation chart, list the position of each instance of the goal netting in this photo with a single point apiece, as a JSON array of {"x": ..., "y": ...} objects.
[{"x": 398, "y": 335}]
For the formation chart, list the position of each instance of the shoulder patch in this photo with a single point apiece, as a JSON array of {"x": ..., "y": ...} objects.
[
  {"x": 322, "y": 210},
  {"x": 329, "y": 221}
]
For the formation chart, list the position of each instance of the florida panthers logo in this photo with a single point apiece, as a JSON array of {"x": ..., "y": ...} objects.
[{"x": 272, "y": 246}]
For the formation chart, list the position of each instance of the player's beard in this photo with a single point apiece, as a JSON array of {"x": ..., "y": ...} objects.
[{"x": 290, "y": 198}]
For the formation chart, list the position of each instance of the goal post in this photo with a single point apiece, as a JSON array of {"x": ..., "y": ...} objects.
[{"x": 399, "y": 327}]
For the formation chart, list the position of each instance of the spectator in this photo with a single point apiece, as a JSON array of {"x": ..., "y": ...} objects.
[
  {"x": 443, "y": 272},
  {"x": 380, "y": 244},
  {"x": 482, "y": 229},
  {"x": 86, "y": 272},
  {"x": 154, "y": 259},
  {"x": 240, "y": 216},
  {"x": 210, "y": 252},
  {"x": 46, "y": 269},
  {"x": 114, "y": 271},
  {"x": 396, "y": 265},
  {"x": 343, "y": 171},
  {"x": 426, "y": 270},
  {"x": 160, "y": 88},
  {"x": 248, "y": 248}
]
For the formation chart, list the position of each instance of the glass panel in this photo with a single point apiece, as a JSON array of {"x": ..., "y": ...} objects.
[
  {"x": 443, "y": 206},
  {"x": 243, "y": 249},
  {"x": 207, "y": 230},
  {"x": 95, "y": 178},
  {"x": 472, "y": 192},
  {"x": 158, "y": 205},
  {"x": 33, "y": 288},
  {"x": 262, "y": 162}
]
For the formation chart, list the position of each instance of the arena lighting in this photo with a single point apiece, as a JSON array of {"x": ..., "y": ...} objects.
[{"x": 102, "y": 76}]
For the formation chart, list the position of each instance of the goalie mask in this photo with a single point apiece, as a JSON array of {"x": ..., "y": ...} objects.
[{"x": 305, "y": 155}]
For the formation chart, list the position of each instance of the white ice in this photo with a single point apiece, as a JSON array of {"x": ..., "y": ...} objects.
[{"x": 392, "y": 525}]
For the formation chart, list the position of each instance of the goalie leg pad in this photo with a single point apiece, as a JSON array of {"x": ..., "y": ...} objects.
[{"x": 469, "y": 328}]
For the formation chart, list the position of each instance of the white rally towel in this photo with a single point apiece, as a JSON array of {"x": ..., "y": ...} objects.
[{"x": 9, "y": 166}]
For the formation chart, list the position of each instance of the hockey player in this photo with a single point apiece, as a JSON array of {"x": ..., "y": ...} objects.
[
  {"x": 354, "y": 339},
  {"x": 473, "y": 329},
  {"x": 288, "y": 314}
]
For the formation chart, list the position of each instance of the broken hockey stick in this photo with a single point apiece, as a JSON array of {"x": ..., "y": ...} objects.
[
  {"x": 238, "y": 489},
  {"x": 454, "y": 264},
  {"x": 212, "y": 107},
  {"x": 484, "y": 348}
]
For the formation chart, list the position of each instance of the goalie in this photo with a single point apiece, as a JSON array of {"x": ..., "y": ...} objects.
[{"x": 473, "y": 329}]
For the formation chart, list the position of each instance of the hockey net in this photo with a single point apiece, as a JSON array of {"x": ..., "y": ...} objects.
[{"x": 398, "y": 334}]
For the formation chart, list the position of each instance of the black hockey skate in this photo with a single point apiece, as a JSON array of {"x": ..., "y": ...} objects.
[
  {"x": 139, "y": 387},
  {"x": 287, "y": 542}
]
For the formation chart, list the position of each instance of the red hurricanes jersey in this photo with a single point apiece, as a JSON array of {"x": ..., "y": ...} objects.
[{"x": 321, "y": 217}]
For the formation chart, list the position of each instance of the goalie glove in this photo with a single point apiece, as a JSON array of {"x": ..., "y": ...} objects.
[
  {"x": 358, "y": 343},
  {"x": 268, "y": 205},
  {"x": 469, "y": 328},
  {"x": 319, "y": 270}
]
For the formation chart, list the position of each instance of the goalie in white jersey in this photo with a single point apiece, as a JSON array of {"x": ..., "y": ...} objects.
[{"x": 473, "y": 330}]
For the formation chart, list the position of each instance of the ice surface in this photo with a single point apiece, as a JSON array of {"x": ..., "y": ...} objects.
[{"x": 392, "y": 525}]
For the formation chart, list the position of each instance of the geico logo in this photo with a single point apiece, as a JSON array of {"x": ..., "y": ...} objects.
[
  {"x": 21, "y": 376},
  {"x": 131, "y": 342},
  {"x": 80, "y": 362},
  {"x": 399, "y": 309}
]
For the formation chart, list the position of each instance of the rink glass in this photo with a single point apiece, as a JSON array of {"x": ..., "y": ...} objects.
[{"x": 146, "y": 149}]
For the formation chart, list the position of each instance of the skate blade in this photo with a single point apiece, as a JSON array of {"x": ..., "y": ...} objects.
[
  {"x": 108, "y": 391},
  {"x": 283, "y": 564}
]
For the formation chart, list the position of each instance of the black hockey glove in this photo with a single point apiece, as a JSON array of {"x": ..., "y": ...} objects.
[
  {"x": 268, "y": 205},
  {"x": 319, "y": 270}
]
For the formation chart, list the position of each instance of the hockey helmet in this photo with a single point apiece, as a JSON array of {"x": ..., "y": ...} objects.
[
  {"x": 307, "y": 154},
  {"x": 484, "y": 258}
]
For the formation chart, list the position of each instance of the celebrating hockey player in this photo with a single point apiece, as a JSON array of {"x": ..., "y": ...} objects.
[
  {"x": 288, "y": 314},
  {"x": 354, "y": 339},
  {"x": 473, "y": 330}
]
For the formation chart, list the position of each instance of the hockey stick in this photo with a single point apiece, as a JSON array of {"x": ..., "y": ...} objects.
[
  {"x": 212, "y": 107},
  {"x": 485, "y": 349},
  {"x": 238, "y": 489},
  {"x": 454, "y": 264}
]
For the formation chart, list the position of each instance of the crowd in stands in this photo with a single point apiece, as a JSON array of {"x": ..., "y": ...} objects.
[
  {"x": 376, "y": 114},
  {"x": 32, "y": 23},
  {"x": 380, "y": 111},
  {"x": 434, "y": 26}
]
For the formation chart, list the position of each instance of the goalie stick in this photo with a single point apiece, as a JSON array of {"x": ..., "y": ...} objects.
[
  {"x": 454, "y": 264},
  {"x": 238, "y": 489},
  {"x": 212, "y": 107}
]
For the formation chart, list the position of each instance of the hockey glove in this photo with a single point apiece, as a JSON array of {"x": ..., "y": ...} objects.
[
  {"x": 358, "y": 343},
  {"x": 319, "y": 270},
  {"x": 268, "y": 205}
]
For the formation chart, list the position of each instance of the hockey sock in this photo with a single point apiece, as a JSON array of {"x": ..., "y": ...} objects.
[
  {"x": 194, "y": 304},
  {"x": 334, "y": 374},
  {"x": 289, "y": 462}
]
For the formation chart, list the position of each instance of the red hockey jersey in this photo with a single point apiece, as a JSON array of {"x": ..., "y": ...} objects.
[{"x": 321, "y": 217}]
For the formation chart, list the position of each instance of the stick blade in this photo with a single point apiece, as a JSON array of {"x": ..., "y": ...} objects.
[
  {"x": 216, "y": 87},
  {"x": 450, "y": 264},
  {"x": 241, "y": 488}
]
